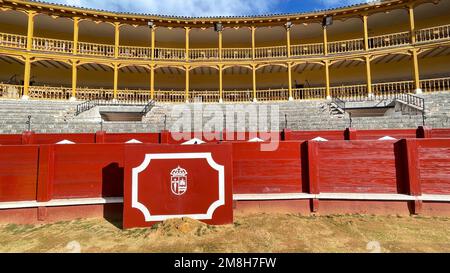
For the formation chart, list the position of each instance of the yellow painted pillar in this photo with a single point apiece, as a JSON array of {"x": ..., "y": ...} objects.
[
  {"x": 153, "y": 30},
  {"x": 220, "y": 44},
  {"x": 26, "y": 78},
  {"x": 116, "y": 80},
  {"x": 366, "y": 32},
  {"x": 74, "y": 80},
  {"x": 291, "y": 97},
  {"x": 30, "y": 31},
  {"x": 76, "y": 21},
  {"x": 152, "y": 81},
  {"x": 188, "y": 29},
  {"x": 116, "y": 39},
  {"x": 369, "y": 77},
  {"x": 187, "y": 84},
  {"x": 288, "y": 39},
  {"x": 254, "y": 83},
  {"x": 325, "y": 41},
  {"x": 412, "y": 24},
  {"x": 253, "y": 42},
  {"x": 220, "y": 83},
  {"x": 327, "y": 79},
  {"x": 416, "y": 71}
]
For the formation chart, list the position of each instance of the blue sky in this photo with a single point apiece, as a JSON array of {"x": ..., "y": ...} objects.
[{"x": 209, "y": 7}]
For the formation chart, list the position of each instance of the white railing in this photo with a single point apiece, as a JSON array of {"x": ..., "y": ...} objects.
[
  {"x": 433, "y": 33},
  {"x": 390, "y": 40},
  {"x": 346, "y": 46},
  {"x": 52, "y": 45},
  {"x": 271, "y": 52},
  {"x": 92, "y": 49},
  {"x": 309, "y": 93},
  {"x": 170, "y": 53},
  {"x": 204, "y": 54},
  {"x": 11, "y": 91},
  {"x": 13, "y": 40},
  {"x": 237, "y": 53},
  {"x": 272, "y": 95},
  {"x": 134, "y": 52},
  {"x": 307, "y": 50}
]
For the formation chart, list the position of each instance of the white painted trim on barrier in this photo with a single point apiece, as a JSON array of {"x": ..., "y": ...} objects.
[
  {"x": 61, "y": 202},
  {"x": 239, "y": 197},
  {"x": 366, "y": 196},
  {"x": 272, "y": 196}
]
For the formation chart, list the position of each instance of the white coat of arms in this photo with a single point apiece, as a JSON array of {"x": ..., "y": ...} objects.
[{"x": 178, "y": 181}]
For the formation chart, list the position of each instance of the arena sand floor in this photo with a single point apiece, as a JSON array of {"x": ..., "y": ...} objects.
[{"x": 253, "y": 233}]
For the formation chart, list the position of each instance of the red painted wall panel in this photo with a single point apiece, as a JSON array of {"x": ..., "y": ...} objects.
[
  {"x": 377, "y": 134},
  {"x": 358, "y": 167},
  {"x": 440, "y": 133},
  {"x": 18, "y": 173},
  {"x": 308, "y": 135},
  {"x": 122, "y": 138},
  {"x": 256, "y": 171},
  {"x": 88, "y": 170},
  {"x": 55, "y": 138},
  {"x": 434, "y": 166},
  {"x": 10, "y": 139}
]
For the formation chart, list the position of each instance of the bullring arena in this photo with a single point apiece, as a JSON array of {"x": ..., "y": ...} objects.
[{"x": 207, "y": 129}]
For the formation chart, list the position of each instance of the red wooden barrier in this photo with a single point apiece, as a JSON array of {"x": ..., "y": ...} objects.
[
  {"x": 10, "y": 139},
  {"x": 88, "y": 170},
  {"x": 18, "y": 173},
  {"x": 55, "y": 138},
  {"x": 257, "y": 171},
  {"x": 357, "y": 167},
  {"x": 309, "y": 135},
  {"x": 122, "y": 138},
  {"x": 377, "y": 134},
  {"x": 433, "y": 166}
]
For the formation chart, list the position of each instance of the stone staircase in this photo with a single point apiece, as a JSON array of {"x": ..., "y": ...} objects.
[{"x": 58, "y": 117}]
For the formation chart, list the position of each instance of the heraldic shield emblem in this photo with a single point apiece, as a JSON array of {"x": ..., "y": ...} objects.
[{"x": 178, "y": 181}]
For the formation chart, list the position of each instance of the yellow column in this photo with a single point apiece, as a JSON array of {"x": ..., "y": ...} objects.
[
  {"x": 116, "y": 39},
  {"x": 366, "y": 32},
  {"x": 76, "y": 20},
  {"x": 254, "y": 83},
  {"x": 412, "y": 24},
  {"x": 152, "y": 81},
  {"x": 188, "y": 29},
  {"x": 153, "y": 29},
  {"x": 220, "y": 44},
  {"x": 253, "y": 42},
  {"x": 325, "y": 41},
  {"x": 291, "y": 97},
  {"x": 327, "y": 79},
  {"x": 416, "y": 71},
  {"x": 26, "y": 78},
  {"x": 116, "y": 80},
  {"x": 187, "y": 84},
  {"x": 369, "y": 77},
  {"x": 220, "y": 83},
  {"x": 288, "y": 39},
  {"x": 74, "y": 80},
  {"x": 30, "y": 31}
]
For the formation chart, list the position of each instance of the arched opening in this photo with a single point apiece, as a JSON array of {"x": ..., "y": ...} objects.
[
  {"x": 50, "y": 27},
  {"x": 135, "y": 35},
  {"x": 13, "y": 22},
  {"x": 348, "y": 79},
  {"x": 134, "y": 77},
  {"x": 392, "y": 73},
  {"x": 170, "y": 43},
  {"x": 204, "y": 84},
  {"x": 306, "y": 39},
  {"x": 170, "y": 84},
  {"x": 272, "y": 83},
  {"x": 237, "y": 84},
  {"x": 308, "y": 81},
  {"x": 96, "y": 32},
  {"x": 429, "y": 15},
  {"x": 203, "y": 44},
  {"x": 51, "y": 73},
  {"x": 393, "y": 21},
  {"x": 11, "y": 77}
]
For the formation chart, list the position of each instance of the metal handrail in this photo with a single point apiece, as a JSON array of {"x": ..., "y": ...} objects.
[{"x": 148, "y": 107}]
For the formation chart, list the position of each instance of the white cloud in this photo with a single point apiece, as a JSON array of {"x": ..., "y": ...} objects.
[
  {"x": 198, "y": 8},
  {"x": 340, "y": 3}
]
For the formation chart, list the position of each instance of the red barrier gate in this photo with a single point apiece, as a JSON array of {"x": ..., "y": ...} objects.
[{"x": 166, "y": 181}]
